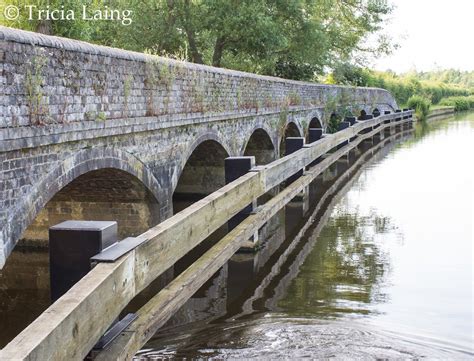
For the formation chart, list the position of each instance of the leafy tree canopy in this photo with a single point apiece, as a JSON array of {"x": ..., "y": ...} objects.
[{"x": 290, "y": 38}]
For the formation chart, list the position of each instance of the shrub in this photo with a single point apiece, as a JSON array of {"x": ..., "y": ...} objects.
[
  {"x": 420, "y": 104},
  {"x": 333, "y": 124},
  {"x": 459, "y": 103}
]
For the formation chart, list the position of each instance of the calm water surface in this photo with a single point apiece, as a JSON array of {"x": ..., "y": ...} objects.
[
  {"x": 382, "y": 267},
  {"x": 384, "y": 270}
]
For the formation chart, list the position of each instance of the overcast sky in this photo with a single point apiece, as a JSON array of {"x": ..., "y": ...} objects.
[{"x": 436, "y": 33}]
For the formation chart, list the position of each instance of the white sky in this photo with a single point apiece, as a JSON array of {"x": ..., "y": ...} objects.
[{"x": 432, "y": 34}]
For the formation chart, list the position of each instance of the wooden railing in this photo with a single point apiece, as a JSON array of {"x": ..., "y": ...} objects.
[{"x": 72, "y": 325}]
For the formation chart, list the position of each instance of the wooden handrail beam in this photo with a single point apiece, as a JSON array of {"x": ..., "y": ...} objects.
[{"x": 71, "y": 326}]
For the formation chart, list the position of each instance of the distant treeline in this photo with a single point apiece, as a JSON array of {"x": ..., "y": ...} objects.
[
  {"x": 451, "y": 83},
  {"x": 464, "y": 79}
]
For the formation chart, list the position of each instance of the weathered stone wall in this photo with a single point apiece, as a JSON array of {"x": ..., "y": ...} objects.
[
  {"x": 48, "y": 80},
  {"x": 68, "y": 108}
]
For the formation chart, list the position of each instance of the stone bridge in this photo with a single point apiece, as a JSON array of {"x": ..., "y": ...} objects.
[{"x": 90, "y": 132}]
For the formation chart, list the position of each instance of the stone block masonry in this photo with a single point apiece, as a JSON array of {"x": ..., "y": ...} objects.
[{"x": 68, "y": 108}]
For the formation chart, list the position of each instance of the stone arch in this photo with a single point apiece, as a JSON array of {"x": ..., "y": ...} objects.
[
  {"x": 291, "y": 130},
  {"x": 261, "y": 146},
  {"x": 87, "y": 161},
  {"x": 315, "y": 123},
  {"x": 376, "y": 112},
  {"x": 319, "y": 115},
  {"x": 201, "y": 172},
  {"x": 183, "y": 159}
]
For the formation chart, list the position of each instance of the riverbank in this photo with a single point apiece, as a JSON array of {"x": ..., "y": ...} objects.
[{"x": 437, "y": 112}]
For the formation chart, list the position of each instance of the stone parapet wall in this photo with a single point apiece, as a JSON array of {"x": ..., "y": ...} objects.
[{"x": 51, "y": 80}]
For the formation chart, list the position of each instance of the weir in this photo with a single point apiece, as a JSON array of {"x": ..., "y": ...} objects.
[{"x": 70, "y": 327}]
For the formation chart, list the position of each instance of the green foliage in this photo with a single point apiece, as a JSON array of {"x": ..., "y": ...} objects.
[
  {"x": 333, "y": 124},
  {"x": 293, "y": 98},
  {"x": 294, "y": 39},
  {"x": 282, "y": 119},
  {"x": 33, "y": 86},
  {"x": 463, "y": 79},
  {"x": 401, "y": 86},
  {"x": 421, "y": 106},
  {"x": 79, "y": 28},
  {"x": 459, "y": 103},
  {"x": 101, "y": 117},
  {"x": 346, "y": 74},
  {"x": 336, "y": 109}
]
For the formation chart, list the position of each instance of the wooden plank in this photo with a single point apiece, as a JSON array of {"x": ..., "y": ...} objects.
[
  {"x": 91, "y": 305},
  {"x": 161, "y": 307},
  {"x": 72, "y": 325},
  {"x": 69, "y": 328},
  {"x": 175, "y": 237},
  {"x": 277, "y": 171}
]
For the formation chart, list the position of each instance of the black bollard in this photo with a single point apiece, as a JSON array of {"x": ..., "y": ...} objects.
[
  {"x": 71, "y": 245},
  {"x": 293, "y": 144},
  {"x": 386, "y": 112},
  {"x": 351, "y": 120},
  {"x": 235, "y": 167},
  {"x": 369, "y": 129},
  {"x": 342, "y": 126},
  {"x": 314, "y": 134}
]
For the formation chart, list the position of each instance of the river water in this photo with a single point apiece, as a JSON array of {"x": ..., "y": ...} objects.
[
  {"x": 383, "y": 269},
  {"x": 377, "y": 263}
]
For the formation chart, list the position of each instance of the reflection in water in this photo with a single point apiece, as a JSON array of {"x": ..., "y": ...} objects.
[
  {"x": 343, "y": 272},
  {"x": 378, "y": 265},
  {"x": 359, "y": 281},
  {"x": 24, "y": 291}
]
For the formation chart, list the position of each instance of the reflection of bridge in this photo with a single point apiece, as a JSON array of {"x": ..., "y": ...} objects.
[{"x": 96, "y": 133}]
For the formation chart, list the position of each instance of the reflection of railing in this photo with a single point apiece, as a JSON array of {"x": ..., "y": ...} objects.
[
  {"x": 71, "y": 326},
  {"x": 337, "y": 190},
  {"x": 293, "y": 259}
]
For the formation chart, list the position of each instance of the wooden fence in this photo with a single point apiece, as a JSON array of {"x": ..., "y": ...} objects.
[{"x": 72, "y": 325}]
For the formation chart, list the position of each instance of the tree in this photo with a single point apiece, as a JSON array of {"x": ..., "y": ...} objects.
[{"x": 290, "y": 38}]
